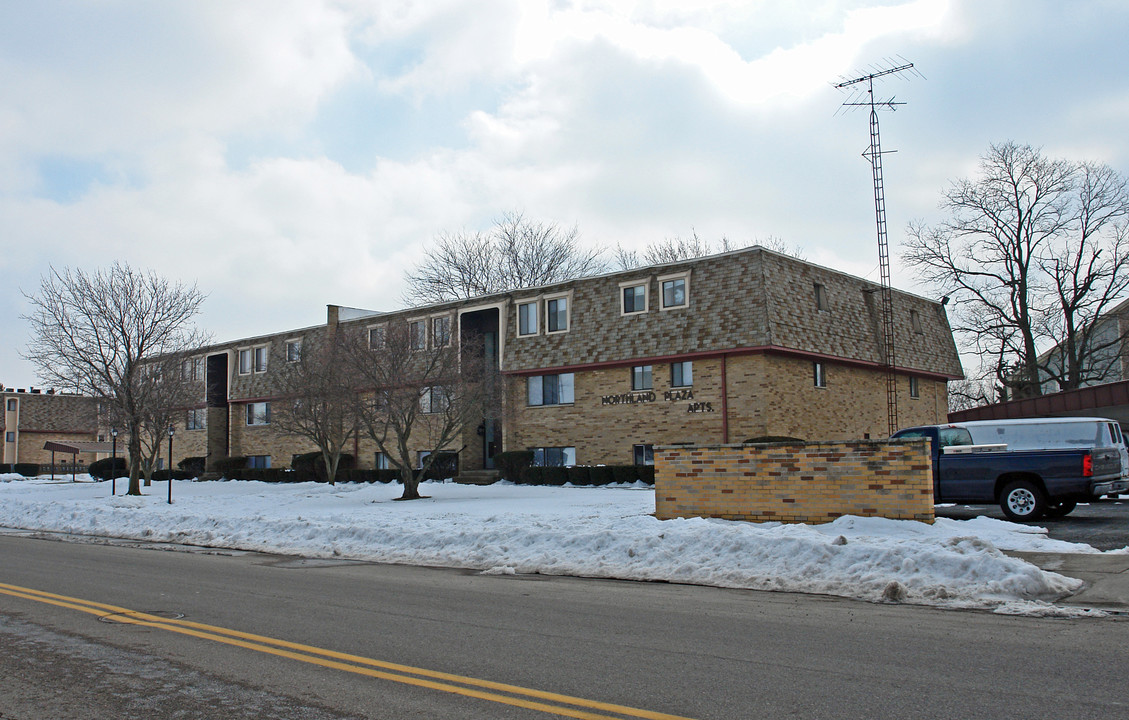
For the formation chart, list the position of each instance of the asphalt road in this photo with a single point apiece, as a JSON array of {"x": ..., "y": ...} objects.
[
  {"x": 1104, "y": 524},
  {"x": 681, "y": 650}
]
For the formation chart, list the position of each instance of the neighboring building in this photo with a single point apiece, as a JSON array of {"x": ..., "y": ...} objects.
[
  {"x": 599, "y": 370},
  {"x": 1108, "y": 363},
  {"x": 34, "y": 417}
]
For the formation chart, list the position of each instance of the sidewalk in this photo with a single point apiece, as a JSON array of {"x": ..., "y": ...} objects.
[{"x": 1106, "y": 577}]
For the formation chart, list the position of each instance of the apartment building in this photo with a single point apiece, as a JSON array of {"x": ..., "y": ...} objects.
[
  {"x": 33, "y": 417},
  {"x": 599, "y": 370}
]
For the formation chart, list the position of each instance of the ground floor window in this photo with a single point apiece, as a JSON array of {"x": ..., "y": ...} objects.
[
  {"x": 554, "y": 456},
  {"x": 381, "y": 462},
  {"x": 258, "y": 462},
  {"x": 644, "y": 454},
  {"x": 258, "y": 413},
  {"x": 197, "y": 419},
  {"x": 914, "y": 388}
]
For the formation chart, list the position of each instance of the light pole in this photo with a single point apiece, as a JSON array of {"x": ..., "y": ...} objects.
[
  {"x": 171, "y": 430},
  {"x": 114, "y": 462}
]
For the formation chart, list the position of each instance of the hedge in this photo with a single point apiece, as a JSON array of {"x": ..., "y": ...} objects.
[
  {"x": 102, "y": 470},
  {"x": 163, "y": 475},
  {"x": 512, "y": 462},
  {"x": 26, "y": 469},
  {"x": 587, "y": 475},
  {"x": 309, "y": 467},
  {"x": 194, "y": 465},
  {"x": 230, "y": 467}
]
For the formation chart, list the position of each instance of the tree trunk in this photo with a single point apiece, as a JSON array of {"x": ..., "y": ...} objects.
[
  {"x": 134, "y": 463},
  {"x": 411, "y": 486}
]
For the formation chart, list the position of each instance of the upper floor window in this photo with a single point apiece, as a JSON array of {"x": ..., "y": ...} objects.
[
  {"x": 376, "y": 337},
  {"x": 11, "y": 404},
  {"x": 634, "y": 299},
  {"x": 441, "y": 331},
  {"x": 434, "y": 399},
  {"x": 556, "y": 315},
  {"x": 10, "y": 436},
  {"x": 245, "y": 361},
  {"x": 821, "y": 297},
  {"x": 915, "y": 322},
  {"x": 417, "y": 331},
  {"x": 293, "y": 351},
  {"x": 550, "y": 389},
  {"x": 192, "y": 369},
  {"x": 258, "y": 413},
  {"x": 641, "y": 377},
  {"x": 914, "y": 388},
  {"x": 682, "y": 374},
  {"x": 527, "y": 318},
  {"x": 197, "y": 419},
  {"x": 819, "y": 374},
  {"x": 675, "y": 292}
]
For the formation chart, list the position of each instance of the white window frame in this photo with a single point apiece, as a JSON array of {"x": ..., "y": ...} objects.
[
  {"x": 257, "y": 352},
  {"x": 646, "y": 285},
  {"x": 435, "y": 336},
  {"x": 239, "y": 355},
  {"x": 566, "y": 387},
  {"x": 567, "y": 297},
  {"x": 685, "y": 276},
  {"x": 646, "y": 376},
  {"x": 821, "y": 302},
  {"x": 915, "y": 322},
  {"x": 536, "y": 316},
  {"x": 380, "y": 332},
  {"x": 296, "y": 343},
  {"x": 687, "y": 374},
  {"x": 252, "y": 416},
  {"x": 422, "y": 335}
]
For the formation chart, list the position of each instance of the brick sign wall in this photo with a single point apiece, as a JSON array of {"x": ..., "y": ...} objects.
[{"x": 809, "y": 483}]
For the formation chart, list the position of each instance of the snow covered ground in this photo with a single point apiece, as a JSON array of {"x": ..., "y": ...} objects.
[{"x": 605, "y": 532}]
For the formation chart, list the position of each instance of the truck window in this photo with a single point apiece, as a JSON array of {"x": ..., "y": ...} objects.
[{"x": 954, "y": 436}]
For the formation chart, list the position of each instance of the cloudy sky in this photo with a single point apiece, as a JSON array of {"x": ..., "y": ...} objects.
[{"x": 286, "y": 154}]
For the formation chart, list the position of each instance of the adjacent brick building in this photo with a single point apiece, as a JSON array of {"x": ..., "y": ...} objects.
[
  {"x": 599, "y": 370},
  {"x": 31, "y": 418}
]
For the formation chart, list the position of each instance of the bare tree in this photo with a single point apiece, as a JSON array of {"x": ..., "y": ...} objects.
[
  {"x": 418, "y": 394},
  {"x": 164, "y": 390},
  {"x": 1018, "y": 255},
  {"x": 94, "y": 332},
  {"x": 516, "y": 253},
  {"x": 687, "y": 248},
  {"x": 319, "y": 389}
]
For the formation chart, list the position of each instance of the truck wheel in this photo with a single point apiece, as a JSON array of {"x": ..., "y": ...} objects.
[
  {"x": 1023, "y": 500},
  {"x": 1061, "y": 509}
]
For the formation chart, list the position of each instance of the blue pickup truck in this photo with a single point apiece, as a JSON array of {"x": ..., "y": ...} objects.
[{"x": 1028, "y": 484}]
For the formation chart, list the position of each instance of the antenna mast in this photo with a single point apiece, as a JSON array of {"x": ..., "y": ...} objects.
[{"x": 874, "y": 155}]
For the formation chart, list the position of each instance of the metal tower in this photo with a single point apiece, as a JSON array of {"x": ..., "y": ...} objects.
[{"x": 874, "y": 155}]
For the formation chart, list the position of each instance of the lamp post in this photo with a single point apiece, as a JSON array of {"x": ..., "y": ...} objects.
[
  {"x": 114, "y": 462},
  {"x": 171, "y": 431}
]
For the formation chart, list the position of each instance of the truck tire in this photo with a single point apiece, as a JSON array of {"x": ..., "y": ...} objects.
[
  {"x": 1023, "y": 500},
  {"x": 1062, "y": 509}
]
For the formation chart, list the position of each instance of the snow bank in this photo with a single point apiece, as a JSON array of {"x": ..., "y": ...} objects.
[{"x": 603, "y": 532}]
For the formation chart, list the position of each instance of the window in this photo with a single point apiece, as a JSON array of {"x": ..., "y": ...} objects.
[
  {"x": 641, "y": 378},
  {"x": 556, "y": 315},
  {"x": 915, "y": 322},
  {"x": 682, "y": 374},
  {"x": 441, "y": 331},
  {"x": 197, "y": 419},
  {"x": 10, "y": 436},
  {"x": 258, "y": 413},
  {"x": 245, "y": 362},
  {"x": 914, "y": 388},
  {"x": 293, "y": 351},
  {"x": 376, "y": 338},
  {"x": 821, "y": 297},
  {"x": 421, "y": 456},
  {"x": 11, "y": 404},
  {"x": 258, "y": 462},
  {"x": 417, "y": 331},
  {"x": 527, "y": 318},
  {"x": 381, "y": 461},
  {"x": 554, "y": 456},
  {"x": 674, "y": 292},
  {"x": 261, "y": 359},
  {"x": 634, "y": 299},
  {"x": 550, "y": 389},
  {"x": 644, "y": 454},
  {"x": 819, "y": 375},
  {"x": 435, "y": 399}
]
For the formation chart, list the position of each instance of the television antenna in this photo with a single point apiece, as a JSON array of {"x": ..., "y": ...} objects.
[{"x": 865, "y": 98}]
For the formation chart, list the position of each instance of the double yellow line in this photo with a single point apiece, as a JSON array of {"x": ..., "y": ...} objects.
[{"x": 554, "y": 703}]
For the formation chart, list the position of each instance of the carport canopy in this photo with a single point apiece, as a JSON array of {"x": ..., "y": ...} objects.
[{"x": 74, "y": 448}]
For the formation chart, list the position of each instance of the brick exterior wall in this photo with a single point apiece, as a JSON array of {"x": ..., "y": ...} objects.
[
  {"x": 41, "y": 417},
  {"x": 810, "y": 483}
]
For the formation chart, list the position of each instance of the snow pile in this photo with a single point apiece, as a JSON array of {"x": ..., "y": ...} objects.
[{"x": 594, "y": 532}]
